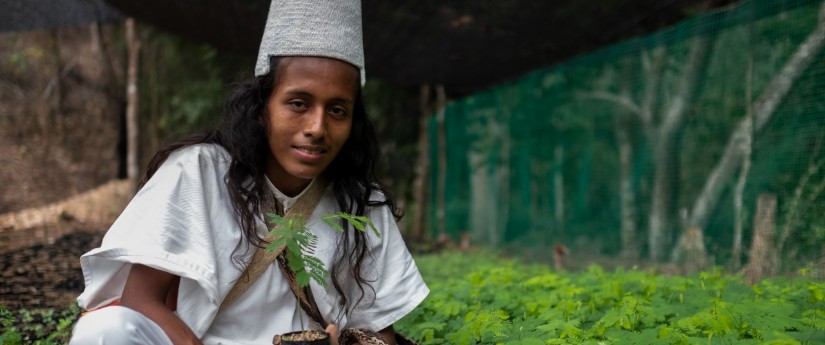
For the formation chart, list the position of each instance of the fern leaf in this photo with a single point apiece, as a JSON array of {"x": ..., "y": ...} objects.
[
  {"x": 331, "y": 221},
  {"x": 272, "y": 246},
  {"x": 814, "y": 318},
  {"x": 276, "y": 219},
  {"x": 302, "y": 278},
  {"x": 351, "y": 219},
  {"x": 293, "y": 246},
  {"x": 368, "y": 221},
  {"x": 360, "y": 223}
]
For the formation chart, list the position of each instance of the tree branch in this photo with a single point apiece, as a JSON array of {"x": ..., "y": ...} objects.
[
  {"x": 623, "y": 101},
  {"x": 794, "y": 209},
  {"x": 652, "y": 67},
  {"x": 764, "y": 108},
  {"x": 686, "y": 92}
]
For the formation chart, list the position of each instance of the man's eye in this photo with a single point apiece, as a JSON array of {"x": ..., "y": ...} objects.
[
  {"x": 338, "y": 112},
  {"x": 297, "y": 104}
]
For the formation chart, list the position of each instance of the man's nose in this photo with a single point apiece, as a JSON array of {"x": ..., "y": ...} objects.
[{"x": 315, "y": 126}]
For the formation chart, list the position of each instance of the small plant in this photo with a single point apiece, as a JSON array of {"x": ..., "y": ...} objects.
[
  {"x": 300, "y": 243},
  {"x": 294, "y": 235},
  {"x": 38, "y": 327},
  {"x": 480, "y": 298}
]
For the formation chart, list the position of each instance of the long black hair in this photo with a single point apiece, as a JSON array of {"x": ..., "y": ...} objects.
[{"x": 352, "y": 174}]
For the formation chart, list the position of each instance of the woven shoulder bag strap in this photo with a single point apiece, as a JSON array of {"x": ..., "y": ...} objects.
[{"x": 263, "y": 258}]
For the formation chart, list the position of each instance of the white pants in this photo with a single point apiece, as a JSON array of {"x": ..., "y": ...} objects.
[{"x": 117, "y": 325}]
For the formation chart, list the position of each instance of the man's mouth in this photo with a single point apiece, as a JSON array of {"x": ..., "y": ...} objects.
[{"x": 311, "y": 150}]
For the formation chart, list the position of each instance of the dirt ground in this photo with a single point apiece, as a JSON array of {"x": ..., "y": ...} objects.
[
  {"x": 41, "y": 247},
  {"x": 46, "y": 276}
]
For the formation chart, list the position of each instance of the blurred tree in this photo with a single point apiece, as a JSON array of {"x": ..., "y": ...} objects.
[
  {"x": 397, "y": 113},
  {"x": 764, "y": 107},
  {"x": 186, "y": 85},
  {"x": 133, "y": 44},
  {"x": 662, "y": 123}
]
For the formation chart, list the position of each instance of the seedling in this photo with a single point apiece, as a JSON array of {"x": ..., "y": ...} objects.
[{"x": 300, "y": 244}]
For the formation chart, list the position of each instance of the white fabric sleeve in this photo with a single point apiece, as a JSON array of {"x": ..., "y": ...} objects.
[
  {"x": 176, "y": 223},
  {"x": 398, "y": 285}
]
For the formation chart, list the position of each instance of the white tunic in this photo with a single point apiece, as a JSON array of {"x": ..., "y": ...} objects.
[{"x": 182, "y": 222}]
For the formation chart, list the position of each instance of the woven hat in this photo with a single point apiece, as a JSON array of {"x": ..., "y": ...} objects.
[{"x": 326, "y": 28}]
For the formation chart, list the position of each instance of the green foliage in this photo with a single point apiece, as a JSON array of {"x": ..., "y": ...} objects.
[
  {"x": 184, "y": 84},
  {"x": 38, "y": 327},
  {"x": 359, "y": 222},
  {"x": 481, "y": 298},
  {"x": 300, "y": 243}
]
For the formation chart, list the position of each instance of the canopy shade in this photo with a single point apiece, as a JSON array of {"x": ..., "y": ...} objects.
[{"x": 466, "y": 45}]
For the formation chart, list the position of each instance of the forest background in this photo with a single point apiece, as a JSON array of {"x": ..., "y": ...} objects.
[{"x": 700, "y": 145}]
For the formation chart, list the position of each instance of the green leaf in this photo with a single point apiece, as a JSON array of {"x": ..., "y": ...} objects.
[
  {"x": 358, "y": 222},
  {"x": 294, "y": 247},
  {"x": 527, "y": 341},
  {"x": 814, "y": 318},
  {"x": 331, "y": 220},
  {"x": 302, "y": 278}
]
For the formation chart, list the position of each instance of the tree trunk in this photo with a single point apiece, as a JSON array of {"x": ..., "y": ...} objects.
[
  {"x": 658, "y": 220},
  {"x": 763, "y": 109},
  {"x": 441, "y": 102},
  {"x": 422, "y": 169},
  {"x": 738, "y": 203},
  {"x": 540, "y": 201},
  {"x": 627, "y": 195},
  {"x": 762, "y": 256},
  {"x": 738, "y": 207},
  {"x": 483, "y": 208},
  {"x": 501, "y": 173},
  {"x": 664, "y": 137},
  {"x": 133, "y": 47},
  {"x": 45, "y": 120},
  {"x": 693, "y": 257},
  {"x": 558, "y": 188},
  {"x": 664, "y": 140}
]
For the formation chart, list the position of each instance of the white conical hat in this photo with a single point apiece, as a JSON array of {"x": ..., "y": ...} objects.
[{"x": 328, "y": 28}]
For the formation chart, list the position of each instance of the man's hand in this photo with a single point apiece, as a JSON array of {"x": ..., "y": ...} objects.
[{"x": 333, "y": 334}]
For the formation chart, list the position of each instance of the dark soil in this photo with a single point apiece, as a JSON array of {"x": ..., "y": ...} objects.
[
  {"x": 46, "y": 276},
  {"x": 309, "y": 337}
]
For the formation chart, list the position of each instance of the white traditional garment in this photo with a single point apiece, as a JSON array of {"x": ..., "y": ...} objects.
[
  {"x": 117, "y": 325},
  {"x": 182, "y": 222}
]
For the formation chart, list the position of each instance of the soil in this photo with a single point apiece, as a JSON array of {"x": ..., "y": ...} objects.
[
  {"x": 46, "y": 276},
  {"x": 303, "y": 337},
  {"x": 41, "y": 247}
]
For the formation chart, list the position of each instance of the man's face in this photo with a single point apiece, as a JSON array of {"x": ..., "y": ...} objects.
[{"x": 308, "y": 119}]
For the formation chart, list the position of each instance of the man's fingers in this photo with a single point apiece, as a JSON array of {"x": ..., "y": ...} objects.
[{"x": 333, "y": 334}]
